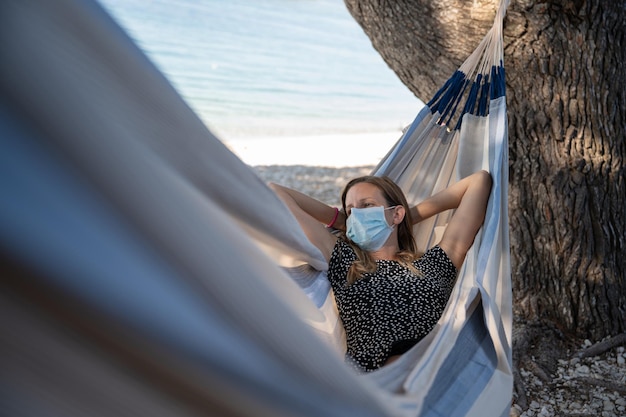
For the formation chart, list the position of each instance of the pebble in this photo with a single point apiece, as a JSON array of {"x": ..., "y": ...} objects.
[
  {"x": 608, "y": 405},
  {"x": 582, "y": 370},
  {"x": 566, "y": 394}
]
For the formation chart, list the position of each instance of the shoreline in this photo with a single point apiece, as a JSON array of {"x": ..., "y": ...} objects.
[
  {"x": 317, "y": 165},
  {"x": 331, "y": 150}
]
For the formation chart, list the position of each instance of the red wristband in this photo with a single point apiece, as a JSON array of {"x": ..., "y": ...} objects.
[{"x": 332, "y": 222}]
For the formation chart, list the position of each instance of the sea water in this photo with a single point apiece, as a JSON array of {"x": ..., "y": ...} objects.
[{"x": 270, "y": 68}]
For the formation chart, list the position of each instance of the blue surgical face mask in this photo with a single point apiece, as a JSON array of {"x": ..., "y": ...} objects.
[{"x": 368, "y": 227}]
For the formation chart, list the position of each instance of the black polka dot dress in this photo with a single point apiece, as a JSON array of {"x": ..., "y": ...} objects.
[{"x": 387, "y": 312}]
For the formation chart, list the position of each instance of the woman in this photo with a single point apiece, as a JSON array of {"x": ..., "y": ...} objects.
[{"x": 389, "y": 296}]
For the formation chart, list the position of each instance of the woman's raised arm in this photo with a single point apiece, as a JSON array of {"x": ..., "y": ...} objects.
[
  {"x": 469, "y": 197},
  {"x": 313, "y": 216}
]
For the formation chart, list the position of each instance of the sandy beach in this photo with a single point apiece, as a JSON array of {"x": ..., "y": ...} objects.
[{"x": 344, "y": 150}]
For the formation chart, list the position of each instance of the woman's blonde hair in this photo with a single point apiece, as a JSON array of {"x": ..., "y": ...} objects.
[{"x": 408, "y": 249}]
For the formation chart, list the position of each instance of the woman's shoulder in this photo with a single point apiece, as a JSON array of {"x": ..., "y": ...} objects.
[
  {"x": 343, "y": 250},
  {"x": 436, "y": 260},
  {"x": 342, "y": 257}
]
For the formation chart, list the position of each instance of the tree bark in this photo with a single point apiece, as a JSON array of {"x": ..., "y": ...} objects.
[{"x": 566, "y": 96}]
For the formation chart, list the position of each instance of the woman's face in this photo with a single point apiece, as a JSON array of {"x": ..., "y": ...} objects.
[{"x": 364, "y": 195}]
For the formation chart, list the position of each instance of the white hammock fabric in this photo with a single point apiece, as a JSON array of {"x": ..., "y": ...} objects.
[{"x": 131, "y": 284}]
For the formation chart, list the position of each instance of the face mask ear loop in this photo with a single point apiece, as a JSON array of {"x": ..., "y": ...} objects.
[{"x": 393, "y": 225}]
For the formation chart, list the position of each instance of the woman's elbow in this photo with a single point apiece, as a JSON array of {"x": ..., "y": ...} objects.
[
  {"x": 484, "y": 178},
  {"x": 275, "y": 187},
  {"x": 280, "y": 191}
]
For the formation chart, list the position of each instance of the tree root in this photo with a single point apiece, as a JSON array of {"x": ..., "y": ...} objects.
[
  {"x": 519, "y": 390},
  {"x": 536, "y": 348},
  {"x": 603, "y": 347},
  {"x": 609, "y": 385}
]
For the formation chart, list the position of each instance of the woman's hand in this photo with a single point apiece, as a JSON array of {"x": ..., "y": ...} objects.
[{"x": 416, "y": 217}]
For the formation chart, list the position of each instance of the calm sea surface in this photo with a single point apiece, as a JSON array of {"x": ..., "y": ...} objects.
[{"x": 253, "y": 68}]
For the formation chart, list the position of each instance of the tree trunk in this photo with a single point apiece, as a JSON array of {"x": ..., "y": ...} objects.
[{"x": 566, "y": 96}]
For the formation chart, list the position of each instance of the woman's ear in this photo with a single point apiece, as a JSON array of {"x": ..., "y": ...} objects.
[{"x": 398, "y": 214}]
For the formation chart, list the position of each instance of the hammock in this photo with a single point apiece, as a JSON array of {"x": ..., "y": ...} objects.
[{"x": 135, "y": 271}]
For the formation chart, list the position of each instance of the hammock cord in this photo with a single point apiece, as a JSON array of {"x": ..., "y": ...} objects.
[{"x": 479, "y": 79}]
